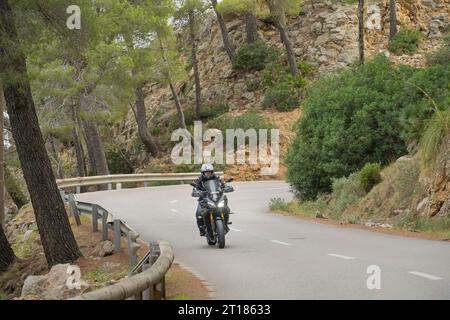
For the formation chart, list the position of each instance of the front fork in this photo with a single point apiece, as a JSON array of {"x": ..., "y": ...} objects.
[{"x": 222, "y": 216}]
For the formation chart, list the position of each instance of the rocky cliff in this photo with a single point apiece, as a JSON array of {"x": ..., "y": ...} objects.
[{"x": 324, "y": 34}]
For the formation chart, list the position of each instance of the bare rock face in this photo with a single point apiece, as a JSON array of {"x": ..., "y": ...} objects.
[
  {"x": 439, "y": 191},
  {"x": 103, "y": 249},
  {"x": 62, "y": 281}
]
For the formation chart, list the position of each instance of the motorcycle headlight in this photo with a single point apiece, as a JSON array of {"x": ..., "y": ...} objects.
[
  {"x": 211, "y": 204},
  {"x": 221, "y": 204}
]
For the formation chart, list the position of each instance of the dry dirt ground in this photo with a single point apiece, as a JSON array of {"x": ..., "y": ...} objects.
[{"x": 97, "y": 272}]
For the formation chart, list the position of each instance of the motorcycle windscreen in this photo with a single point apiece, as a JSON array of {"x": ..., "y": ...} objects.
[{"x": 213, "y": 188}]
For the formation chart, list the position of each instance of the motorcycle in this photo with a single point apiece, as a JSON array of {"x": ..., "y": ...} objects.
[{"x": 215, "y": 210}]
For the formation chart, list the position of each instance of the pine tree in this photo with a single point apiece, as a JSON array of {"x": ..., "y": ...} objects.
[{"x": 57, "y": 237}]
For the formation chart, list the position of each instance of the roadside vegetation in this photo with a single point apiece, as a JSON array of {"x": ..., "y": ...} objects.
[{"x": 356, "y": 124}]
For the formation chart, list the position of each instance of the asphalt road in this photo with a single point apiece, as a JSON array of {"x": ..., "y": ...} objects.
[{"x": 270, "y": 256}]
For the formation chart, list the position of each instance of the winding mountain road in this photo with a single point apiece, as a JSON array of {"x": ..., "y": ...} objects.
[{"x": 269, "y": 256}]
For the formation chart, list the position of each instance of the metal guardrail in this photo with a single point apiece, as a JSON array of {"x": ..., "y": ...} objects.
[
  {"x": 147, "y": 277},
  {"x": 119, "y": 227},
  {"x": 146, "y": 281},
  {"x": 118, "y": 179},
  {"x": 149, "y": 284}
]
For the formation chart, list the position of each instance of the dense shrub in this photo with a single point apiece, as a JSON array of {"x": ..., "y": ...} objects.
[
  {"x": 282, "y": 89},
  {"x": 369, "y": 176},
  {"x": 425, "y": 92},
  {"x": 346, "y": 191},
  {"x": 282, "y": 97},
  {"x": 248, "y": 120},
  {"x": 350, "y": 118},
  {"x": 367, "y": 113},
  {"x": 213, "y": 110},
  {"x": 252, "y": 84},
  {"x": 254, "y": 56},
  {"x": 405, "y": 41},
  {"x": 441, "y": 56},
  {"x": 117, "y": 163}
]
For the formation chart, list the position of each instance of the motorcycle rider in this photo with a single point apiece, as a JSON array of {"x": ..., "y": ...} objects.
[{"x": 207, "y": 173}]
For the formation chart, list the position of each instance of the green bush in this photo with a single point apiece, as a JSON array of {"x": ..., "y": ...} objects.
[
  {"x": 278, "y": 204},
  {"x": 14, "y": 189},
  {"x": 350, "y": 118},
  {"x": 252, "y": 84},
  {"x": 282, "y": 97},
  {"x": 442, "y": 55},
  {"x": 254, "y": 56},
  {"x": 436, "y": 129},
  {"x": 346, "y": 191},
  {"x": 117, "y": 163},
  {"x": 213, "y": 110},
  {"x": 251, "y": 119},
  {"x": 369, "y": 176},
  {"x": 248, "y": 120},
  {"x": 282, "y": 89},
  {"x": 405, "y": 41},
  {"x": 425, "y": 92}
]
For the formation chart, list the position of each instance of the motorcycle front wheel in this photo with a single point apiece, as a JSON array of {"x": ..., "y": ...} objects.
[{"x": 220, "y": 231}]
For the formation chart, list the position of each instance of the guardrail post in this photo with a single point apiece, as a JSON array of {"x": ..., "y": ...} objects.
[
  {"x": 74, "y": 209},
  {"x": 117, "y": 235},
  {"x": 146, "y": 292},
  {"x": 133, "y": 247},
  {"x": 146, "y": 184},
  {"x": 163, "y": 287},
  {"x": 109, "y": 186},
  {"x": 78, "y": 189},
  {"x": 155, "y": 253},
  {"x": 94, "y": 218},
  {"x": 118, "y": 186},
  {"x": 104, "y": 225}
]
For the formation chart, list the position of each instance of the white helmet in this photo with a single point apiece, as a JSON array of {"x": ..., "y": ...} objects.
[{"x": 207, "y": 167}]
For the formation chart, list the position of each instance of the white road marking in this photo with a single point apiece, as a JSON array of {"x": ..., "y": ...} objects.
[
  {"x": 424, "y": 275},
  {"x": 174, "y": 211},
  {"x": 174, "y": 201},
  {"x": 234, "y": 229},
  {"x": 340, "y": 256},
  {"x": 281, "y": 242}
]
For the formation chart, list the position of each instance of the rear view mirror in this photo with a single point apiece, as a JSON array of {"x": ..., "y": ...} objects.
[
  {"x": 196, "y": 194},
  {"x": 229, "y": 179},
  {"x": 228, "y": 189},
  {"x": 193, "y": 184}
]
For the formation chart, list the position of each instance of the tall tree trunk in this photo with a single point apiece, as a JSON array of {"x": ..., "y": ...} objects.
[
  {"x": 198, "y": 94},
  {"x": 95, "y": 147},
  {"x": 79, "y": 152},
  {"x": 2, "y": 157},
  {"x": 178, "y": 106},
  {"x": 251, "y": 27},
  {"x": 393, "y": 18},
  {"x": 223, "y": 29},
  {"x": 94, "y": 143},
  {"x": 56, "y": 234},
  {"x": 141, "y": 115},
  {"x": 7, "y": 256},
  {"x": 59, "y": 169},
  {"x": 279, "y": 20},
  {"x": 361, "y": 30},
  {"x": 141, "y": 120}
]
